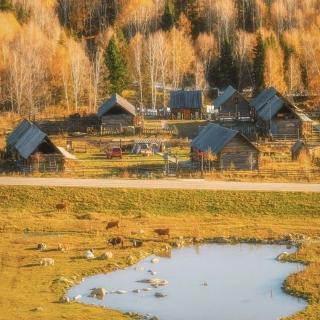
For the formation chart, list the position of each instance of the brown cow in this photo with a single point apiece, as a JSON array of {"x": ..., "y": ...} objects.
[
  {"x": 162, "y": 232},
  {"x": 115, "y": 241},
  {"x": 112, "y": 224},
  {"x": 61, "y": 206}
]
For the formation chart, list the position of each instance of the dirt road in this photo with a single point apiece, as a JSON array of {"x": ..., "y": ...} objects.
[{"x": 188, "y": 184}]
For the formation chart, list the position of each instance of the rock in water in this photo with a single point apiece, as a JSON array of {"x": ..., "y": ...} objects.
[
  {"x": 160, "y": 295},
  {"x": 99, "y": 292},
  {"x": 282, "y": 256},
  {"x": 155, "y": 260},
  {"x": 120, "y": 291}
]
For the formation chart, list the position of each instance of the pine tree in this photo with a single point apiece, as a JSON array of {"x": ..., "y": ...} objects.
[
  {"x": 117, "y": 67},
  {"x": 169, "y": 15},
  {"x": 226, "y": 72},
  {"x": 6, "y": 5},
  {"x": 259, "y": 64}
]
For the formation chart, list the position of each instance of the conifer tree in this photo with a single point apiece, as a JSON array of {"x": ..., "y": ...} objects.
[
  {"x": 226, "y": 71},
  {"x": 169, "y": 15},
  {"x": 6, "y": 5},
  {"x": 117, "y": 67},
  {"x": 259, "y": 64}
]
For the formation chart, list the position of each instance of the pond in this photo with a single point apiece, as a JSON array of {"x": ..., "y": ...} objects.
[{"x": 212, "y": 281}]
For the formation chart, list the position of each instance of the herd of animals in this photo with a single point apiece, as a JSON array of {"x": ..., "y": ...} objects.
[{"x": 114, "y": 241}]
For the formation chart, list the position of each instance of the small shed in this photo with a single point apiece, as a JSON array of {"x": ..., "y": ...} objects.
[
  {"x": 117, "y": 113},
  {"x": 278, "y": 117},
  {"x": 300, "y": 151},
  {"x": 231, "y": 104},
  {"x": 230, "y": 149},
  {"x": 32, "y": 149},
  {"x": 186, "y": 104}
]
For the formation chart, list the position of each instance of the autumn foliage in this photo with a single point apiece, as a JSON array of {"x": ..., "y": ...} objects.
[{"x": 55, "y": 52}]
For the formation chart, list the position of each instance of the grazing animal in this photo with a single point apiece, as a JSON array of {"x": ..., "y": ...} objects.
[
  {"x": 106, "y": 255},
  {"x": 162, "y": 232},
  {"x": 47, "y": 262},
  {"x": 61, "y": 247},
  {"x": 61, "y": 206},
  {"x": 115, "y": 241},
  {"x": 42, "y": 246},
  {"x": 136, "y": 243},
  {"x": 89, "y": 254},
  {"x": 112, "y": 224}
]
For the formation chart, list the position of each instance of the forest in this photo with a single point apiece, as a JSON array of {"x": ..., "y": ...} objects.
[{"x": 73, "y": 54}]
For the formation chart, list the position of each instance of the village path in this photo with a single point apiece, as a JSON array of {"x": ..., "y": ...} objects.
[{"x": 186, "y": 184}]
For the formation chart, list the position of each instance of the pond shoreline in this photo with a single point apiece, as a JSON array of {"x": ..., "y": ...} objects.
[{"x": 288, "y": 240}]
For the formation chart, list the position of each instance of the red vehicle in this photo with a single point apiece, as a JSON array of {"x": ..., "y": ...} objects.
[{"x": 114, "y": 152}]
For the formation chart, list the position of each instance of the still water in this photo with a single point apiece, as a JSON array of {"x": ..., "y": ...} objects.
[{"x": 222, "y": 282}]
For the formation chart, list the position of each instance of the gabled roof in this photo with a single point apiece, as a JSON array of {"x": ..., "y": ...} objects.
[
  {"x": 269, "y": 102},
  {"x": 29, "y": 142},
  {"x": 18, "y": 132},
  {"x": 114, "y": 101},
  {"x": 213, "y": 138},
  {"x": 26, "y": 138},
  {"x": 186, "y": 99},
  {"x": 262, "y": 98},
  {"x": 271, "y": 108},
  {"x": 224, "y": 97}
]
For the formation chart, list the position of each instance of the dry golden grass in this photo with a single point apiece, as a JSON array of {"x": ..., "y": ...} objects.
[{"x": 28, "y": 216}]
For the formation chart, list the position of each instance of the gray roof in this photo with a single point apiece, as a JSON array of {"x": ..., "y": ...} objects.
[
  {"x": 18, "y": 132},
  {"x": 186, "y": 99},
  {"x": 114, "y": 101},
  {"x": 269, "y": 102},
  {"x": 26, "y": 138},
  {"x": 303, "y": 117},
  {"x": 224, "y": 97},
  {"x": 271, "y": 108},
  {"x": 262, "y": 98},
  {"x": 213, "y": 138},
  {"x": 29, "y": 142}
]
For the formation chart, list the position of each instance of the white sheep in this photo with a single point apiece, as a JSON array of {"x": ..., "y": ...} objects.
[
  {"x": 47, "y": 262},
  {"x": 89, "y": 254}
]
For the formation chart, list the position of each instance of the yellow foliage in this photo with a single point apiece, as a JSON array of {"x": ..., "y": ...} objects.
[{"x": 9, "y": 26}]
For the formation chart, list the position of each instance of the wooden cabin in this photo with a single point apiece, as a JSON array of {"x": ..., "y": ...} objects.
[
  {"x": 118, "y": 114},
  {"x": 226, "y": 148},
  {"x": 32, "y": 150},
  {"x": 186, "y": 105},
  {"x": 279, "y": 118},
  {"x": 233, "y": 106}
]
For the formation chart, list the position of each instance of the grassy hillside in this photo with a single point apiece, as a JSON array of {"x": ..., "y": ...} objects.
[{"x": 28, "y": 216}]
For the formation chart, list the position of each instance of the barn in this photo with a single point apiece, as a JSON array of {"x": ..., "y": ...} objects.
[
  {"x": 186, "y": 104},
  {"x": 279, "y": 118},
  {"x": 226, "y": 148},
  {"x": 32, "y": 150},
  {"x": 118, "y": 114},
  {"x": 232, "y": 105}
]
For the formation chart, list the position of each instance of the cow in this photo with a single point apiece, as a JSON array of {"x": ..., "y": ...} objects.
[
  {"x": 112, "y": 224},
  {"x": 136, "y": 243},
  {"x": 61, "y": 247},
  {"x": 115, "y": 241},
  {"x": 162, "y": 232},
  {"x": 61, "y": 206},
  {"x": 42, "y": 246}
]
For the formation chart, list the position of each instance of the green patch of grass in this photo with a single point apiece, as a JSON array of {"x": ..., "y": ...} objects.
[{"x": 160, "y": 202}]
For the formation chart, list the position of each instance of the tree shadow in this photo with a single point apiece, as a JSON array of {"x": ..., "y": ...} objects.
[{"x": 30, "y": 265}]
